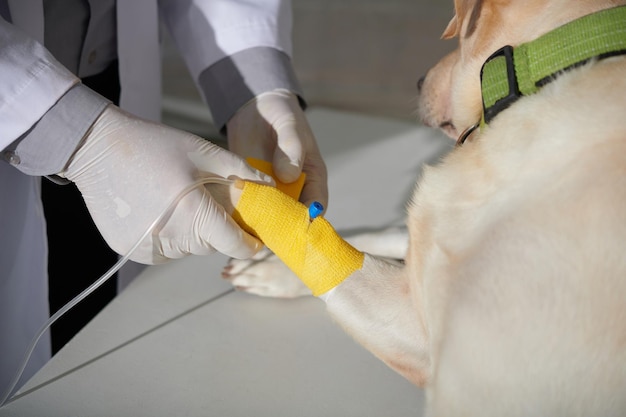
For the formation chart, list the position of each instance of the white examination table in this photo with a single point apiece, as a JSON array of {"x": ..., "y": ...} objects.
[{"x": 179, "y": 342}]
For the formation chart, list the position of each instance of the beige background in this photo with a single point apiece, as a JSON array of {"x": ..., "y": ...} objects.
[{"x": 355, "y": 55}]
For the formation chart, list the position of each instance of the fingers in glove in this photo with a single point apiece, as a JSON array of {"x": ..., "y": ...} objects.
[
  {"x": 221, "y": 232},
  {"x": 216, "y": 160},
  {"x": 316, "y": 185},
  {"x": 289, "y": 153},
  {"x": 211, "y": 229},
  {"x": 292, "y": 157}
]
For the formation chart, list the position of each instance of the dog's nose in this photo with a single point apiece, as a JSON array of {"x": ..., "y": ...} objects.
[{"x": 420, "y": 83}]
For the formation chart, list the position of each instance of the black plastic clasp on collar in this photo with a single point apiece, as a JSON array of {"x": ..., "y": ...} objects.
[{"x": 514, "y": 93}]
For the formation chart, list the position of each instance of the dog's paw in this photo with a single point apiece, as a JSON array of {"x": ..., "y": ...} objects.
[{"x": 264, "y": 275}]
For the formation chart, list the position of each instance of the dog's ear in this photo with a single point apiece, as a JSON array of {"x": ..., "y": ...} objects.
[
  {"x": 464, "y": 10},
  {"x": 452, "y": 29}
]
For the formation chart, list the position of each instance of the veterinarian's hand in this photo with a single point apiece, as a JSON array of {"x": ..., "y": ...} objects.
[
  {"x": 129, "y": 170},
  {"x": 273, "y": 127}
]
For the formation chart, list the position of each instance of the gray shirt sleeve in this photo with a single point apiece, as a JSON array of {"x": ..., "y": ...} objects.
[
  {"x": 47, "y": 147},
  {"x": 233, "y": 81}
]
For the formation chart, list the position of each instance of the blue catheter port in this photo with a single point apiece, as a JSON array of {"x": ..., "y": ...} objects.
[{"x": 315, "y": 209}]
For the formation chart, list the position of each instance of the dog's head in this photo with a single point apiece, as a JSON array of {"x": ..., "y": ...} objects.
[{"x": 449, "y": 95}]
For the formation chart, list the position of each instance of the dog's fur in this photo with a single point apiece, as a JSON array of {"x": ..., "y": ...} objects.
[{"x": 512, "y": 299}]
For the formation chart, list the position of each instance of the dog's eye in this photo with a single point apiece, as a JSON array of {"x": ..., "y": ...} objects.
[{"x": 420, "y": 84}]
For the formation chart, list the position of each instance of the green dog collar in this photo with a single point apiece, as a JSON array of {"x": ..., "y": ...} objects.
[{"x": 511, "y": 73}]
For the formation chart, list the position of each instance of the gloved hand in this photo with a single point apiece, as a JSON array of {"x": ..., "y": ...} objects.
[
  {"x": 129, "y": 170},
  {"x": 273, "y": 127}
]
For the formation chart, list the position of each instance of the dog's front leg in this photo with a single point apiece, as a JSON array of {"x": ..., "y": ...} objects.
[
  {"x": 371, "y": 298},
  {"x": 374, "y": 305}
]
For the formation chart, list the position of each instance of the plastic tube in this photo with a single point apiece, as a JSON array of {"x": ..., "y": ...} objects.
[{"x": 80, "y": 297}]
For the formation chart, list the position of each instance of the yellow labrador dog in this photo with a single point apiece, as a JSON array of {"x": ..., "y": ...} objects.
[{"x": 512, "y": 297}]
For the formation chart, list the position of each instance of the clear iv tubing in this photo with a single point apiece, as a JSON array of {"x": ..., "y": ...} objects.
[{"x": 80, "y": 297}]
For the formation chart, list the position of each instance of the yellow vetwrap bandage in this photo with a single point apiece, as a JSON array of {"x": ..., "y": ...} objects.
[
  {"x": 292, "y": 189},
  {"x": 311, "y": 249}
]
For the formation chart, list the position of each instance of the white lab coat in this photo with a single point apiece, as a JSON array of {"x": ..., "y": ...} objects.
[{"x": 233, "y": 25}]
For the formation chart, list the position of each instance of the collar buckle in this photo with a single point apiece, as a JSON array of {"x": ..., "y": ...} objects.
[{"x": 503, "y": 101}]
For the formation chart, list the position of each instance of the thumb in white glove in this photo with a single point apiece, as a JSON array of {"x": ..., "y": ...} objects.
[
  {"x": 129, "y": 170},
  {"x": 273, "y": 127}
]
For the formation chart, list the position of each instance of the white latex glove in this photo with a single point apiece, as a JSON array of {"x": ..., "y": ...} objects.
[
  {"x": 273, "y": 127},
  {"x": 129, "y": 170}
]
